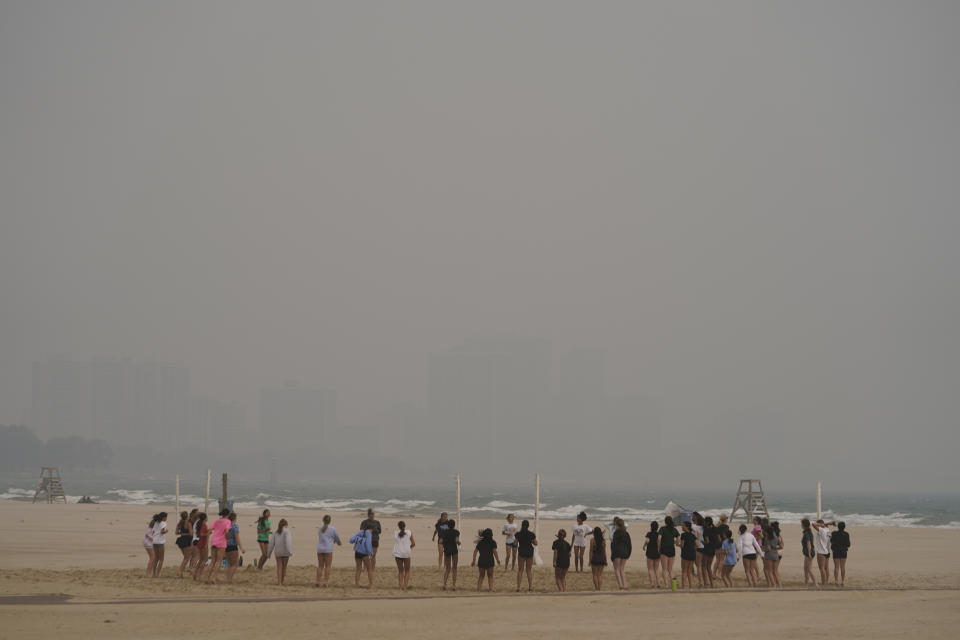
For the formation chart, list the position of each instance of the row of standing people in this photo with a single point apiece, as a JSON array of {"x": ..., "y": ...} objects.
[{"x": 708, "y": 552}]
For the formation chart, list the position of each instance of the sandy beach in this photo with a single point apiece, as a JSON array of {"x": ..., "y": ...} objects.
[{"x": 85, "y": 563}]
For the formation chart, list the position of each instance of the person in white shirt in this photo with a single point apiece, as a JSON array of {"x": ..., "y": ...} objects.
[
  {"x": 510, "y": 544},
  {"x": 403, "y": 544},
  {"x": 749, "y": 549},
  {"x": 822, "y": 543},
  {"x": 580, "y": 532},
  {"x": 159, "y": 540}
]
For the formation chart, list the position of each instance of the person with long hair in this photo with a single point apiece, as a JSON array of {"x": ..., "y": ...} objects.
[
  {"x": 194, "y": 513},
  {"x": 526, "y": 541},
  {"x": 729, "y": 550},
  {"x": 184, "y": 540},
  {"x": 233, "y": 544},
  {"x": 403, "y": 544},
  {"x": 148, "y": 546},
  {"x": 326, "y": 538},
  {"x": 757, "y": 530},
  {"x": 362, "y": 550},
  {"x": 218, "y": 544},
  {"x": 620, "y": 550},
  {"x": 775, "y": 525},
  {"x": 451, "y": 553},
  {"x": 201, "y": 535},
  {"x": 771, "y": 555},
  {"x": 561, "y": 559},
  {"x": 696, "y": 526},
  {"x": 580, "y": 532},
  {"x": 840, "y": 544},
  {"x": 822, "y": 543},
  {"x": 598, "y": 557},
  {"x": 159, "y": 542},
  {"x": 749, "y": 549},
  {"x": 809, "y": 552},
  {"x": 263, "y": 537},
  {"x": 651, "y": 545},
  {"x": 484, "y": 555},
  {"x": 510, "y": 543},
  {"x": 439, "y": 527},
  {"x": 281, "y": 546},
  {"x": 709, "y": 550},
  {"x": 668, "y": 549},
  {"x": 688, "y": 555}
]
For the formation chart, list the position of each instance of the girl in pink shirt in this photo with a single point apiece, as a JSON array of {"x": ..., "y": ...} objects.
[{"x": 218, "y": 544}]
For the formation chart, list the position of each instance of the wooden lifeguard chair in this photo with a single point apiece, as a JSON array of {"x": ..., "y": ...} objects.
[
  {"x": 750, "y": 500},
  {"x": 51, "y": 485}
]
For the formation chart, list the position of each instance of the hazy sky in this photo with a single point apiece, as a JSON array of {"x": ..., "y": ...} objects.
[{"x": 750, "y": 207}]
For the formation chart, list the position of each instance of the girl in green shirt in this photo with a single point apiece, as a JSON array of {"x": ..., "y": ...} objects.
[{"x": 263, "y": 537}]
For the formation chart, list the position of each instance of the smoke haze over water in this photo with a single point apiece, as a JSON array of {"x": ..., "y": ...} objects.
[{"x": 673, "y": 245}]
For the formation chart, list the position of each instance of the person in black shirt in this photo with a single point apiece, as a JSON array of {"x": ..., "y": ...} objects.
[
  {"x": 526, "y": 541},
  {"x": 451, "y": 544},
  {"x": 561, "y": 559},
  {"x": 486, "y": 549},
  {"x": 438, "y": 530},
  {"x": 709, "y": 550},
  {"x": 652, "y": 547},
  {"x": 839, "y": 544},
  {"x": 373, "y": 526},
  {"x": 620, "y": 550},
  {"x": 688, "y": 555}
]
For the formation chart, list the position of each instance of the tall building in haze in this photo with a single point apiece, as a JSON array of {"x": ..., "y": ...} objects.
[{"x": 293, "y": 417}]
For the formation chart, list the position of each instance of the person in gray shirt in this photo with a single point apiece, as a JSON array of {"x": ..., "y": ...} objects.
[{"x": 374, "y": 527}]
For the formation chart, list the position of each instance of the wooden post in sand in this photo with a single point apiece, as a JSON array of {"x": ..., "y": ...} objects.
[
  {"x": 177, "y": 482},
  {"x": 459, "y": 524},
  {"x": 206, "y": 501},
  {"x": 819, "y": 502},
  {"x": 223, "y": 503},
  {"x": 536, "y": 520}
]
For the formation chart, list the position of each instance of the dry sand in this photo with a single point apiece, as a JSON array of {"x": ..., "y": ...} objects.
[{"x": 92, "y": 555}]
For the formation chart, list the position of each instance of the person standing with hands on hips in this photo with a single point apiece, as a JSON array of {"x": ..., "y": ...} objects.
[
  {"x": 581, "y": 531},
  {"x": 373, "y": 526}
]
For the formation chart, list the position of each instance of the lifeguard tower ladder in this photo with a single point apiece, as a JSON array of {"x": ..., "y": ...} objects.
[
  {"x": 51, "y": 485},
  {"x": 750, "y": 500}
]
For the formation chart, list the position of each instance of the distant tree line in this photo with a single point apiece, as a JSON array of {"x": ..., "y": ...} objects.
[{"x": 21, "y": 449}]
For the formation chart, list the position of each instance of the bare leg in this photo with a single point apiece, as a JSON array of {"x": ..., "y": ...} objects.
[
  {"x": 368, "y": 561},
  {"x": 187, "y": 555},
  {"x": 232, "y": 562},
  {"x": 399, "y": 573},
  {"x": 447, "y": 567},
  {"x": 151, "y": 559},
  {"x": 823, "y": 565},
  {"x": 214, "y": 570},
  {"x": 263, "y": 554},
  {"x": 160, "y": 552}
]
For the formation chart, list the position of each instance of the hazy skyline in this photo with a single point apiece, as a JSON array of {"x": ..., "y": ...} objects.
[{"x": 749, "y": 208}]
